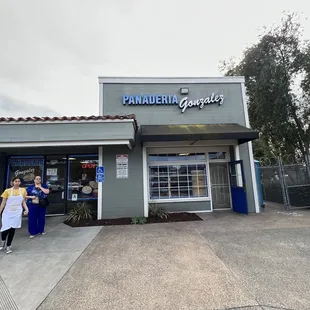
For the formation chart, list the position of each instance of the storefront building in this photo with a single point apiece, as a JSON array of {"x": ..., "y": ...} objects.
[{"x": 182, "y": 143}]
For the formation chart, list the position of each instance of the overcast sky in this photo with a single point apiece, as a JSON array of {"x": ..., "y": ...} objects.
[{"x": 52, "y": 52}]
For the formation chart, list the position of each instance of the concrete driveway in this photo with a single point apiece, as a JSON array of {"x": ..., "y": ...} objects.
[{"x": 228, "y": 261}]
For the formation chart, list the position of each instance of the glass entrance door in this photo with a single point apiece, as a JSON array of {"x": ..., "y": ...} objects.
[
  {"x": 220, "y": 186},
  {"x": 55, "y": 179}
]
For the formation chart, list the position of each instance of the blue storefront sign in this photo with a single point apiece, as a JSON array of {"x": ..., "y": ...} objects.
[
  {"x": 172, "y": 99},
  {"x": 150, "y": 99}
]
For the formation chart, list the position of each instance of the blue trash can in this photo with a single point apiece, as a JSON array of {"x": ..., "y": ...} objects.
[{"x": 259, "y": 184}]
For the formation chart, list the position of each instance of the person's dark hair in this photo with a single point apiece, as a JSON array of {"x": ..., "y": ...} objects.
[{"x": 16, "y": 178}]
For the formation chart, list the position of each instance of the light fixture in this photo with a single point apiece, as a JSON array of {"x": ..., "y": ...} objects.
[
  {"x": 70, "y": 158},
  {"x": 184, "y": 91},
  {"x": 184, "y": 154}
]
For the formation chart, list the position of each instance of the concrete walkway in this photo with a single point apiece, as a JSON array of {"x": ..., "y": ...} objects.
[
  {"x": 36, "y": 265},
  {"x": 228, "y": 261}
]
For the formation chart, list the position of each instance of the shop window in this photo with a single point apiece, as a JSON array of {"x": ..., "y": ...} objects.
[
  {"x": 183, "y": 177},
  {"x": 177, "y": 157},
  {"x": 26, "y": 168},
  {"x": 82, "y": 183},
  {"x": 217, "y": 155},
  {"x": 56, "y": 173}
]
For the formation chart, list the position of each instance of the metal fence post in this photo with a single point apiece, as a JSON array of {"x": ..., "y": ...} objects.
[
  {"x": 307, "y": 166},
  {"x": 285, "y": 194}
]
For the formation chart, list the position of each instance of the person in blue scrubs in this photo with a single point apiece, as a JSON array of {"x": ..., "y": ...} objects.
[{"x": 36, "y": 215}]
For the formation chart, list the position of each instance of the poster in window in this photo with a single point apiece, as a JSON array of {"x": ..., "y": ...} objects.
[
  {"x": 26, "y": 169},
  {"x": 82, "y": 177},
  {"x": 51, "y": 171}
]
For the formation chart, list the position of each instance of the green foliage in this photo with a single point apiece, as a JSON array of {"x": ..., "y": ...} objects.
[
  {"x": 278, "y": 104},
  {"x": 138, "y": 220},
  {"x": 155, "y": 211},
  {"x": 82, "y": 211}
]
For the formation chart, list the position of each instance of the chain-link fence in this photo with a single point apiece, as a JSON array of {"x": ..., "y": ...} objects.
[{"x": 286, "y": 181}]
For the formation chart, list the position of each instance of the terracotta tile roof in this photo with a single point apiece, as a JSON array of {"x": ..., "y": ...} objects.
[{"x": 66, "y": 118}]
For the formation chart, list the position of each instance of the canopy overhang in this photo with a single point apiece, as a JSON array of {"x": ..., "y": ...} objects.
[
  {"x": 98, "y": 132},
  {"x": 177, "y": 132}
]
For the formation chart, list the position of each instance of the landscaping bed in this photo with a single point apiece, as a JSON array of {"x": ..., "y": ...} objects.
[{"x": 173, "y": 217}]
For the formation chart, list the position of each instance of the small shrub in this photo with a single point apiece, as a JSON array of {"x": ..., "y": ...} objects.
[
  {"x": 82, "y": 211},
  {"x": 155, "y": 211},
  {"x": 138, "y": 220}
]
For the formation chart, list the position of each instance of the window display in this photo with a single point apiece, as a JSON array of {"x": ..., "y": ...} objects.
[
  {"x": 26, "y": 168},
  {"x": 55, "y": 173},
  {"x": 176, "y": 176},
  {"x": 82, "y": 183}
]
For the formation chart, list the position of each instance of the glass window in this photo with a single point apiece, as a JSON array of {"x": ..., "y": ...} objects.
[
  {"x": 176, "y": 157},
  {"x": 56, "y": 173},
  {"x": 217, "y": 155},
  {"x": 82, "y": 183},
  {"x": 176, "y": 181},
  {"x": 56, "y": 179},
  {"x": 26, "y": 168}
]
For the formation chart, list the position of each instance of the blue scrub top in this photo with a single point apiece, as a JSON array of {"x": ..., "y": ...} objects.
[{"x": 33, "y": 191}]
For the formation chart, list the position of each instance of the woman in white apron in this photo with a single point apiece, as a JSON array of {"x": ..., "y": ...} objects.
[{"x": 13, "y": 202}]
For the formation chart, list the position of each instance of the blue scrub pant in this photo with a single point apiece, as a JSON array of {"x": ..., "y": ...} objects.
[{"x": 36, "y": 219}]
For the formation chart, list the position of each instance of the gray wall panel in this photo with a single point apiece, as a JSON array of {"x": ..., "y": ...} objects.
[
  {"x": 231, "y": 111},
  {"x": 244, "y": 155},
  {"x": 122, "y": 197},
  {"x": 186, "y": 206}
]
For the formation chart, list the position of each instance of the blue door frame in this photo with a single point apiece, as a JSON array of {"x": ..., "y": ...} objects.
[{"x": 238, "y": 188}]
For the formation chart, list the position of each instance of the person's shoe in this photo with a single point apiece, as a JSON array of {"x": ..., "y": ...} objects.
[
  {"x": 31, "y": 236},
  {"x": 44, "y": 233},
  {"x": 2, "y": 245},
  {"x": 8, "y": 250}
]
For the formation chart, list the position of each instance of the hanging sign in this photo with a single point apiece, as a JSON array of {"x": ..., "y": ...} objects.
[
  {"x": 122, "y": 166},
  {"x": 89, "y": 166}
]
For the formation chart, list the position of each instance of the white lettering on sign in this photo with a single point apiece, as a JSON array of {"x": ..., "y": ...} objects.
[
  {"x": 183, "y": 104},
  {"x": 23, "y": 172},
  {"x": 200, "y": 103}
]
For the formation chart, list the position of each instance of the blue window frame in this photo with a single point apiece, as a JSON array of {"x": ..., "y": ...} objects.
[{"x": 26, "y": 168}]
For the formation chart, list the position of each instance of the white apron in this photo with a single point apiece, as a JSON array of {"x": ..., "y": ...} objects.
[{"x": 12, "y": 213}]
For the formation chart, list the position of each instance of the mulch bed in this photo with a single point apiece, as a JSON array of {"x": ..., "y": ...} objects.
[{"x": 173, "y": 217}]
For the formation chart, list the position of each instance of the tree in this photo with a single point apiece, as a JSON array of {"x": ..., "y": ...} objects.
[{"x": 278, "y": 105}]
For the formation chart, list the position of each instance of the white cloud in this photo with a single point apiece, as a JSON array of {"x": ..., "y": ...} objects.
[
  {"x": 53, "y": 51},
  {"x": 10, "y": 107}
]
